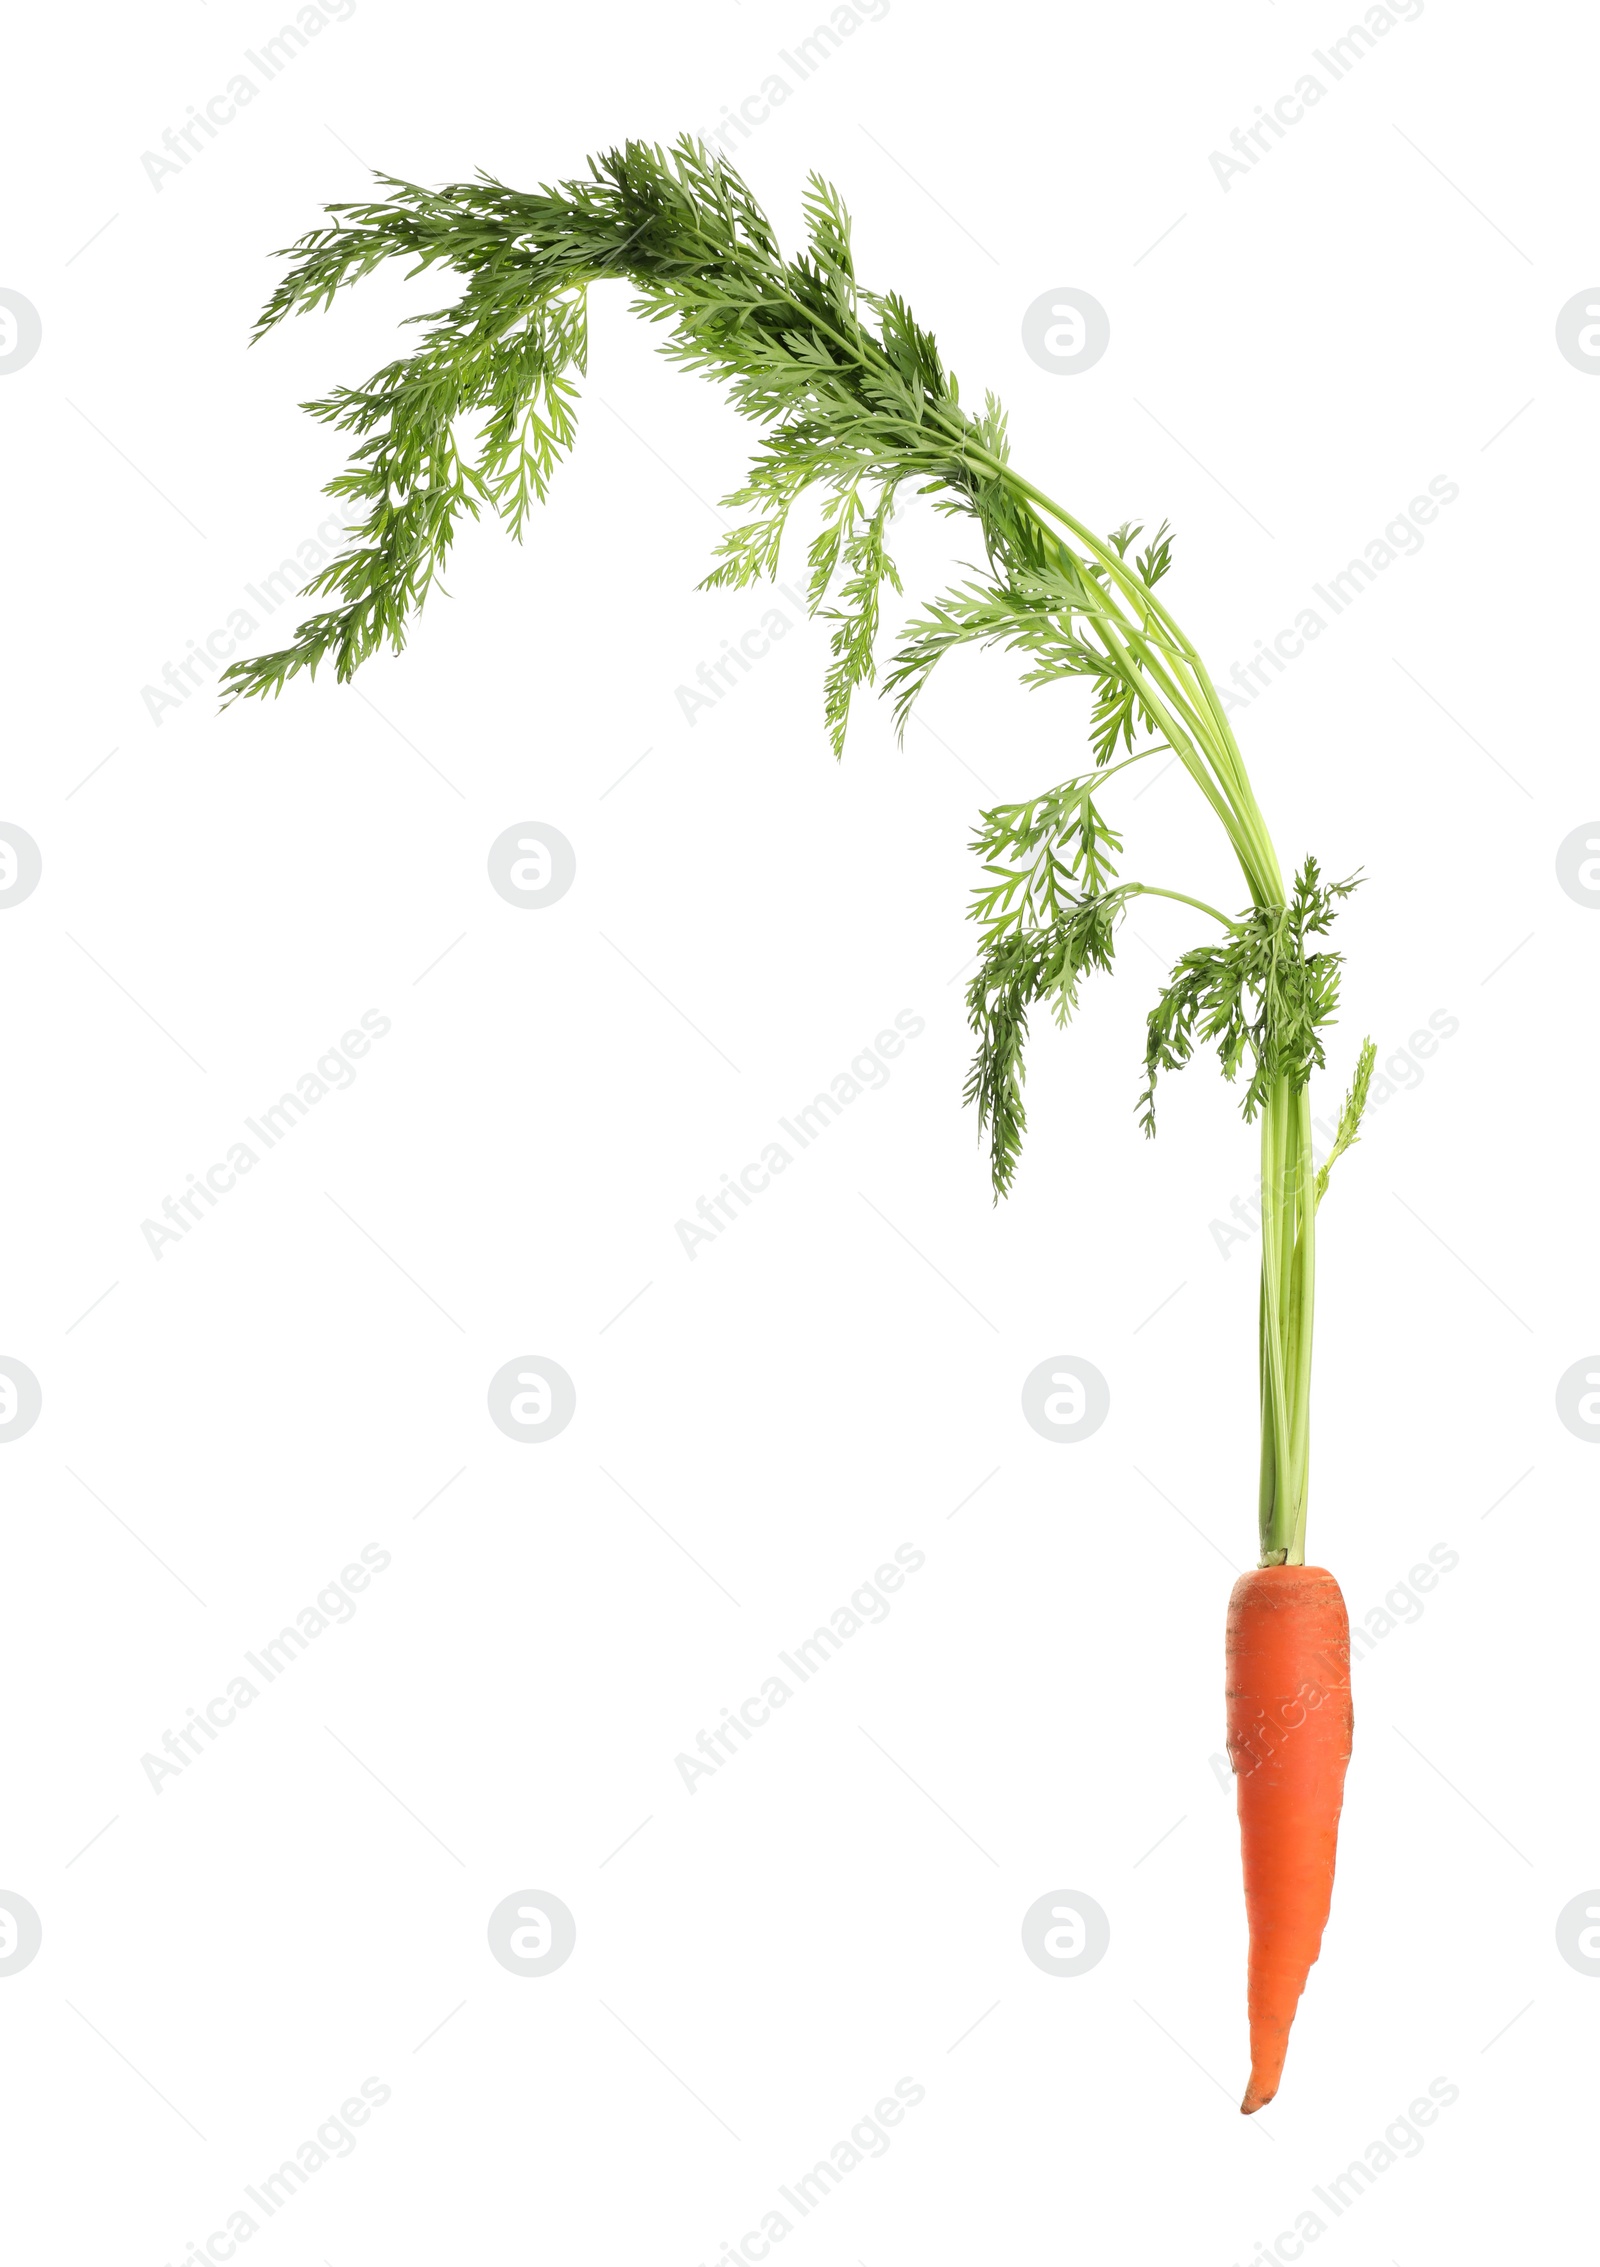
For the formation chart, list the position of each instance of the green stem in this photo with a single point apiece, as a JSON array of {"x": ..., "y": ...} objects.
[
  {"x": 1305, "y": 1258},
  {"x": 1149, "y": 889},
  {"x": 1168, "y": 681},
  {"x": 1276, "y": 1532},
  {"x": 1227, "y": 787},
  {"x": 1288, "y": 1279},
  {"x": 1151, "y": 651},
  {"x": 1192, "y": 760}
]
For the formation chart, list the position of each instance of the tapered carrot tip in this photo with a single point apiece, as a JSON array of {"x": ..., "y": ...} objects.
[{"x": 1289, "y": 1730}]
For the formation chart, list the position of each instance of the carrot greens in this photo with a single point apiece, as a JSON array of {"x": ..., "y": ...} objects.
[{"x": 855, "y": 406}]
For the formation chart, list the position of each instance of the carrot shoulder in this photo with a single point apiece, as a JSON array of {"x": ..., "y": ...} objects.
[{"x": 1289, "y": 1729}]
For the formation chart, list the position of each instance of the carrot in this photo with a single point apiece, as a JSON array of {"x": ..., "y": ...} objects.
[
  {"x": 857, "y": 412},
  {"x": 1289, "y": 1726}
]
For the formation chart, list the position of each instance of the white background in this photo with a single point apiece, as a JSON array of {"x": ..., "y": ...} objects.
[{"x": 1373, "y": 305}]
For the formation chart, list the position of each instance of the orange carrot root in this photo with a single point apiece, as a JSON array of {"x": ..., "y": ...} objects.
[{"x": 1289, "y": 1728}]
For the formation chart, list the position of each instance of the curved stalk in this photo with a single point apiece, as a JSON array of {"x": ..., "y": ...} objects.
[{"x": 1149, "y": 889}]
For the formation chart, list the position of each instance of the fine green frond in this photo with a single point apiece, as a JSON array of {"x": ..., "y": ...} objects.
[
  {"x": 1259, "y": 992},
  {"x": 1047, "y": 604},
  {"x": 1114, "y": 716},
  {"x": 1349, "y": 1128},
  {"x": 1154, "y": 560},
  {"x": 493, "y": 354},
  {"x": 1041, "y": 856},
  {"x": 828, "y": 235},
  {"x": 989, "y": 431},
  {"x": 1156, "y": 557},
  {"x": 856, "y": 618},
  {"x": 1022, "y": 614},
  {"x": 849, "y": 390},
  {"x": 1021, "y": 967},
  {"x": 420, "y": 225}
]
